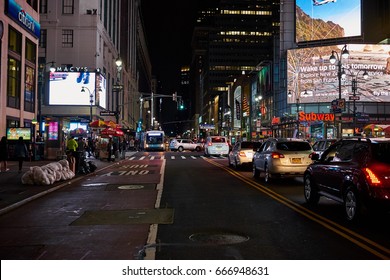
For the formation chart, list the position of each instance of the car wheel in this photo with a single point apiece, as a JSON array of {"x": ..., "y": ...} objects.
[
  {"x": 351, "y": 205},
  {"x": 267, "y": 175},
  {"x": 197, "y": 149},
  {"x": 255, "y": 172},
  {"x": 310, "y": 191},
  {"x": 180, "y": 149}
]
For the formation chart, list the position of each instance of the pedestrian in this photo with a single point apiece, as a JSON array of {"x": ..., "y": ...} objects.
[
  {"x": 4, "y": 154},
  {"x": 21, "y": 152},
  {"x": 110, "y": 149}
]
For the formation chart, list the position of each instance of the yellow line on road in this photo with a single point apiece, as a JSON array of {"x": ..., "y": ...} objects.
[{"x": 363, "y": 242}]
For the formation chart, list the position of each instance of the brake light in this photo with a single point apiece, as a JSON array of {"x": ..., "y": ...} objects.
[
  {"x": 210, "y": 144},
  {"x": 277, "y": 155},
  {"x": 242, "y": 154},
  {"x": 371, "y": 177}
]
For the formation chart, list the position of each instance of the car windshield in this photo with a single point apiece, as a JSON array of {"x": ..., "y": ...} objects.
[
  {"x": 381, "y": 152},
  {"x": 250, "y": 145},
  {"x": 293, "y": 146}
]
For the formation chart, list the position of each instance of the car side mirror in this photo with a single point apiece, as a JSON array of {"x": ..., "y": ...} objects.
[{"x": 315, "y": 156}]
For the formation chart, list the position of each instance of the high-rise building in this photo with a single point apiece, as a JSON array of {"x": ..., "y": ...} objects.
[
  {"x": 231, "y": 40},
  {"x": 101, "y": 63}
]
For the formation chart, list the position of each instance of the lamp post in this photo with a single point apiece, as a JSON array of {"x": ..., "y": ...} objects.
[
  {"x": 335, "y": 57},
  {"x": 41, "y": 84},
  {"x": 354, "y": 96},
  {"x": 297, "y": 102},
  {"x": 118, "y": 63},
  {"x": 91, "y": 102}
]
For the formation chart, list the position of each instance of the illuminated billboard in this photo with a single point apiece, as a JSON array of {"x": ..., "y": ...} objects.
[
  {"x": 313, "y": 79},
  {"x": 327, "y": 19},
  {"x": 65, "y": 88},
  {"x": 13, "y": 133}
]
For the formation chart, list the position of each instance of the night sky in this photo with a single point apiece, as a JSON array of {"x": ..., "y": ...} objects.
[{"x": 168, "y": 27}]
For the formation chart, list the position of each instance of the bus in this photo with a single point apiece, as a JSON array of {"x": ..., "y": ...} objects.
[{"x": 153, "y": 140}]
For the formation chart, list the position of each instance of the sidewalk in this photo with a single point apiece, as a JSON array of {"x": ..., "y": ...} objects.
[{"x": 14, "y": 194}]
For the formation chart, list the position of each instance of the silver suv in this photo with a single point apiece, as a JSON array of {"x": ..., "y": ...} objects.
[
  {"x": 184, "y": 144},
  {"x": 282, "y": 157}
]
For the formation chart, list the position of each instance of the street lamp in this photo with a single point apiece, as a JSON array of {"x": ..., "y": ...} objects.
[
  {"x": 335, "y": 57},
  {"x": 91, "y": 101},
  {"x": 297, "y": 102},
  {"x": 118, "y": 63},
  {"x": 41, "y": 83},
  {"x": 354, "y": 97}
]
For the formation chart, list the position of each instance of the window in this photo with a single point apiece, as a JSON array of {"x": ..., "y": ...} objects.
[
  {"x": 67, "y": 6},
  {"x": 13, "y": 83},
  {"x": 15, "y": 41},
  {"x": 33, "y": 4},
  {"x": 31, "y": 51},
  {"x": 67, "y": 38},
  {"x": 43, "y": 7},
  {"x": 43, "y": 39},
  {"x": 29, "y": 91}
]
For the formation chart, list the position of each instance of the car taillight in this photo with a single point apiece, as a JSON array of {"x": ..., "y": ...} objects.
[
  {"x": 210, "y": 144},
  {"x": 242, "y": 154},
  {"x": 277, "y": 155},
  {"x": 371, "y": 177}
]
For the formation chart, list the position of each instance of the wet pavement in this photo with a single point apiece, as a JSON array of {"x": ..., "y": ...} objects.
[{"x": 111, "y": 213}]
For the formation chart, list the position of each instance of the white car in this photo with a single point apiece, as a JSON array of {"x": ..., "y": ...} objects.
[
  {"x": 216, "y": 145},
  {"x": 184, "y": 144},
  {"x": 242, "y": 153}
]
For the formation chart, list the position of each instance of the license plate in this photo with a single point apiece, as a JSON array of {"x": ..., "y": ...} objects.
[
  {"x": 219, "y": 146},
  {"x": 296, "y": 160}
]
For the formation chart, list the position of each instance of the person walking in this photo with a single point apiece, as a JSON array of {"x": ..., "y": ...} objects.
[
  {"x": 4, "y": 154},
  {"x": 21, "y": 152},
  {"x": 71, "y": 147},
  {"x": 110, "y": 149}
]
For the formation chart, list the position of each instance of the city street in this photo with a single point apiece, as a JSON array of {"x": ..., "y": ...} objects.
[{"x": 172, "y": 205}]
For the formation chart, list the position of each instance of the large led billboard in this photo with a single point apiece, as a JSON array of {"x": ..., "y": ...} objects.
[
  {"x": 65, "y": 88},
  {"x": 327, "y": 19},
  {"x": 313, "y": 79}
]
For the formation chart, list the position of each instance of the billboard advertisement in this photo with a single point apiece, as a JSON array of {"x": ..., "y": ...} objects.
[
  {"x": 313, "y": 79},
  {"x": 65, "y": 88},
  {"x": 13, "y": 133},
  {"x": 327, "y": 19}
]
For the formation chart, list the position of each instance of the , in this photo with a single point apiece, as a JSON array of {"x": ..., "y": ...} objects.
[{"x": 354, "y": 172}]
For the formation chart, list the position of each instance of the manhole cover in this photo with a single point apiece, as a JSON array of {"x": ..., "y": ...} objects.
[
  {"x": 131, "y": 187},
  {"x": 218, "y": 238}
]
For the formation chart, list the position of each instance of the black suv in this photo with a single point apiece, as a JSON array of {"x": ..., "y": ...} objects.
[{"x": 354, "y": 172}]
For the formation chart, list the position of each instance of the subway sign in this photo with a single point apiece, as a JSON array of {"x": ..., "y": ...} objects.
[
  {"x": 15, "y": 11},
  {"x": 315, "y": 117}
]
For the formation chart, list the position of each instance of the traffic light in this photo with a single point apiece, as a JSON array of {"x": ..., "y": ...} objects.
[
  {"x": 181, "y": 105},
  {"x": 174, "y": 96}
]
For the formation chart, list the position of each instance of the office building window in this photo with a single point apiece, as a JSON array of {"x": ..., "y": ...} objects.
[
  {"x": 43, "y": 39},
  {"x": 31, "y": 51},
  {"x": 29, "y": 90},
  {"x": 13, "y": 83},
  {"x": 67, "y": 38},
  {"x": 67, "y": 6},
  {"x": 33, "y": 4},
  {"x": 43, "y": 7},
  {"x": 15, "y": 41}
]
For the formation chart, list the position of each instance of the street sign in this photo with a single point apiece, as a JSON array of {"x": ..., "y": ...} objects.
[
  {"x": 107, "y": 113},
  {"x": 117, "y": 87},
  {"x": 354, "y": 97}
]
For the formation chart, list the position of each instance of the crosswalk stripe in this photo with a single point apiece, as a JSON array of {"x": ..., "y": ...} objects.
[
  {"x": 193, "y": 157},
  {"x": 183, "y": 157}
]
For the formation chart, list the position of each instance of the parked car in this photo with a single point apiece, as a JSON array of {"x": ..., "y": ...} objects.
[
  {"x": 184, "y": 144},
  {"x": 216, "y": 145},
  {"x": 320, "y": 146},
  {"x": 354, "y": 172},
  {"x": 282, "y": 157},
  {"x": 242, "y": 153}
]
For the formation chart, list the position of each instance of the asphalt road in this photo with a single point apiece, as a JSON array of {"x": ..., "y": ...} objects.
[{"x": 221, "y": 213}]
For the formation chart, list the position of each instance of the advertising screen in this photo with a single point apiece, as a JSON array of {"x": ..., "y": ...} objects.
[
  {"x": 65, "y": 88},
  {"x": 327, "y": 19},
  {"x": 13, "y": 133},
  {"x": 101, "y": 89},
  {"x": 313, "y": 79}
]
